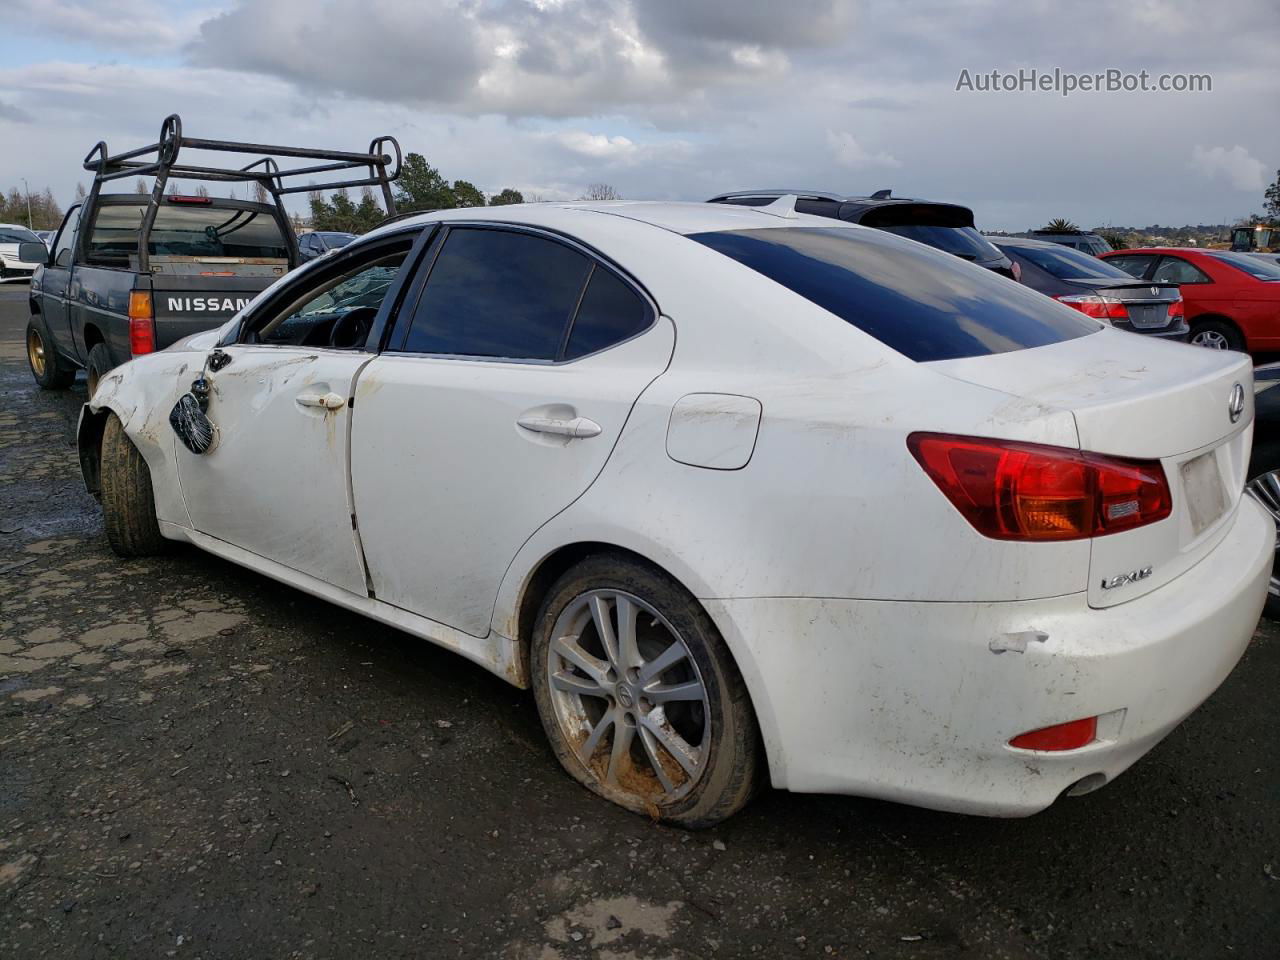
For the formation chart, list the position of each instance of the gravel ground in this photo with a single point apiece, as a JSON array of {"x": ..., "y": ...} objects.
[{"x": 198, "y": 762}]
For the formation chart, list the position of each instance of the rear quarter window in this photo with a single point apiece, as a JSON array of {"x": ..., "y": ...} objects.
[{"x": 922, "y": 303}]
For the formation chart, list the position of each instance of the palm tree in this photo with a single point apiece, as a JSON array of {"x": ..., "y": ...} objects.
[{"x": 1060, "y": 225}]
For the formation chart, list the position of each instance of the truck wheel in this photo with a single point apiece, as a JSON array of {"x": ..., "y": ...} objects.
[
  {"x": 51, "y": 372},
  {"x": 98, "y": 366},
  {"x": 128, "y": 504}
]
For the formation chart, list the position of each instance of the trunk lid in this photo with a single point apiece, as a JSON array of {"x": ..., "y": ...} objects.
[
  {"x": 1146, "y": 303},
  {"x": 1141, "y": 398}
]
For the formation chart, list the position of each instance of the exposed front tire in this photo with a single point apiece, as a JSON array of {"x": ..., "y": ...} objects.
[
  {"x": 1216, "y": 335},
  {"x": 97, "y": 366},
  {"x": 49, "y": 369},
  {"x": 639, "y": 697},
  {"x": 128, "y": 503}
]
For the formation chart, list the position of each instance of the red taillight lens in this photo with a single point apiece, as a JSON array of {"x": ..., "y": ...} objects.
[
  {"x": 1062, "y": 736},
  {"x": 1176, "y": 310},
  {"x": 142, "y": 325},
  {"x": 186, "y": 198},
  {"x": 1029, "y": 491},
  {"x": 1100, "y": 308}
]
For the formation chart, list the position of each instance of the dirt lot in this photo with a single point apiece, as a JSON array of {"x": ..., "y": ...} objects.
[{"x": 197, "y": 762}]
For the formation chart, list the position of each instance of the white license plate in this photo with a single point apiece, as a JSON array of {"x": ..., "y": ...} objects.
[{"x": 1205, "y": 492}]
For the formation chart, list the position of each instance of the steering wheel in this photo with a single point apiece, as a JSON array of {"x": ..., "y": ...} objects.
[{"x": 352, "y": 328}]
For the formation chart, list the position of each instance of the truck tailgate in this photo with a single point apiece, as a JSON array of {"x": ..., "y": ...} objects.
[{"x": 188, "y": 304}]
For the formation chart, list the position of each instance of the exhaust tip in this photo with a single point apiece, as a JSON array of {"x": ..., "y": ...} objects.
[{"x": 1085, "y": 785}]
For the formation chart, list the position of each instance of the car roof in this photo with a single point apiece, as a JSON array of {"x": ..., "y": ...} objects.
[
  {"x": 673, "y": 216},
  {"x": 1184, "y": 250},
  {"x": 1019, "y": 242}
]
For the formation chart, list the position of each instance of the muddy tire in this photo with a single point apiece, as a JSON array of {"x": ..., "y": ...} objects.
[
  {"x": 128, "y": 504},
  {"x": 649, "y": 710},
  {"x": 97, "y": 366},
  {"x": 50, "y": 370}
]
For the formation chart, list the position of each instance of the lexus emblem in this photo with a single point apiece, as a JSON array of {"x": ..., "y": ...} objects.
[{"x": 1235, "y": 404}]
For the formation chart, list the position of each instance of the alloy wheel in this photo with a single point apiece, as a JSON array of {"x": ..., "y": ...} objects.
[
  {"x": 1265, "y": 488},
  {"x": 1211, "y": 339},
  {"x": 35, "y": 352},
  {"x": 628, "y": 695}
]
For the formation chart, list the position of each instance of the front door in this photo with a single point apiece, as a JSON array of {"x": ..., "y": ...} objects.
[
  {"x": 498, "y": 407},
  {"x": 275, "y": 481},
  {"x": 56, "y": 279}
]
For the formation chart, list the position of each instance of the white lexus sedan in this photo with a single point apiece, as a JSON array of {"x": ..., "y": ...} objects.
[{"x": 743, "y": 495}]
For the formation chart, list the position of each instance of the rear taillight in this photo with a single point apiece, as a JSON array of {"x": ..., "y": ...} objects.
[
  {"x": 142, "y": 324},
  {"x": 1100, "y": 308},
  {"x": 186, "y": 198},
  {"x": 1031, "y": 491},
  {"x": 1176, "y": 310},
  {"x": 1062, "y": 736}
]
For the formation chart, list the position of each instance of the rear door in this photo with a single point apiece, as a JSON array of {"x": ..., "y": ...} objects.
[{"x": 500, "y": 399}]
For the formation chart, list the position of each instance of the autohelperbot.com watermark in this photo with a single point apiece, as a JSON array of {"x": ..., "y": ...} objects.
[{"x": 1066, "y": 82}]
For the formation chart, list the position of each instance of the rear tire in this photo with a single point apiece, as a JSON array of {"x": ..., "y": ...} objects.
[
  {"x": 49, "y": 369},
  {"x": 697, "y": 703},
  {"x": 1216, "y": 335},
  {"x": 1264, "y": 487},
  {"x": 128, "y": 503},
  {"x": 97, "y": 366}
]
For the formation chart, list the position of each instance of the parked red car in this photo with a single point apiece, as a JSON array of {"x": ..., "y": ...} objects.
[{"x": 1232, "y": 300}]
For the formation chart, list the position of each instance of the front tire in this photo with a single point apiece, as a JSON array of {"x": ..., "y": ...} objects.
[
  {"x": 639, "y": 697},
  {"x": 128, "y": 503},
  {"x": 1216, "y": 335},
  {"x": 50, "y": 371}
]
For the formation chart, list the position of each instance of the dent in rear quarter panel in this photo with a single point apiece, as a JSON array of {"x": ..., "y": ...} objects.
[{"x": 141, "y": 393}]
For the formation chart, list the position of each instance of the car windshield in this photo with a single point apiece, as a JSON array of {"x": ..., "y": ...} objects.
[
  {"x": 1067, "y": 263},
  {"x": 925, "y": 305},
  {"x": 1260, "y": 268},
  {"x": 964, "y": 242},
  {"x": 17, "y": 235},
  {"x": 332, "y": 241}
]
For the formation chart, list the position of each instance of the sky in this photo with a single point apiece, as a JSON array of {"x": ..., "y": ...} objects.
[{"x": 679, "y": 99}]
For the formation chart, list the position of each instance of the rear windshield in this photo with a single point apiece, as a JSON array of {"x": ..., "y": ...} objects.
[
  {"x": 921, "y": 303},
  {"x": 1067, "y": 263},
  {"x": 183, "y": 230},
  {"x": 17, "y": 235},
  {"x": 1258, "y": 267},
  {"x": 965, "y": 242}
]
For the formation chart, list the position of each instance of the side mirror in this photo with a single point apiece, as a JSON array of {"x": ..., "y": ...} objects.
[{"x": 33, "y": 251}]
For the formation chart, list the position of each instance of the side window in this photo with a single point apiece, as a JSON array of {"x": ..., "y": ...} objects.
[
  {"x": 1133, "y": 265},
  {"x": 67, "y": 239},
  {"x": 1177, "y": 270},
  {"x": 336, "y": 309},
  {"x": 497, "y": 293},
  {"x": 611, "y": 312}
]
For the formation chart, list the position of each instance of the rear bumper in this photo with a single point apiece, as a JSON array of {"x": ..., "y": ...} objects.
[{"x": 908, "y": 701}]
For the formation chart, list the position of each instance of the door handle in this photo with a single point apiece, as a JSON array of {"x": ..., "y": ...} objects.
[
  {"x": 329, "y": 401},
  {"x": 577, "y": 428}
]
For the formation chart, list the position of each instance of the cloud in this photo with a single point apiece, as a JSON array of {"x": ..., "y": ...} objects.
[
  {"x": 134, "y": 25},
  {"x": 849, "y": 153},
  {"x": 16, "y": 114},
  {"x": 1236, "y": 165}
]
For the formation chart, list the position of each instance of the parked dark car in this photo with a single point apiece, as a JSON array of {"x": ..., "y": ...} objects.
[
  {"x": 319, "y": 242},
  {"x": 1096, "y": 288},
  {"x": 1090, "y": 243},
  {"x": 132, "y": 273},
  {"x": 947, "y": 226},
  {"x": 1232, "y": 300}
]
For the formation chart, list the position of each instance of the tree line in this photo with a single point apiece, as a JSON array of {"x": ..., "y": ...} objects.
[{"x": 420, "y": 188}]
